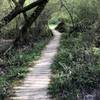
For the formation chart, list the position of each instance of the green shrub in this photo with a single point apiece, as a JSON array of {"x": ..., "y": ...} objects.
[
  {"x": 17, "y": 66},
  {"x": 75, "y": 69}
]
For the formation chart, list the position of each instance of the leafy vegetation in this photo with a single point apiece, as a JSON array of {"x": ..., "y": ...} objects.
[
  {"x": 76, "y": 68},
  {"x": 17, "y": 66}
]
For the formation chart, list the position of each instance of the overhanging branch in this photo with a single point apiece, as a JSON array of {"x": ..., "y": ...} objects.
[{"x": 19, "y": 10}]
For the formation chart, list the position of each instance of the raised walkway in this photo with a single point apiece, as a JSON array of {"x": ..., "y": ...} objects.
[{"x": 34, "y": 86}]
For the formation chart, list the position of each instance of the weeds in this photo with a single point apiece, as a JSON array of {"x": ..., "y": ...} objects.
[{"x": 75, "y": 69}]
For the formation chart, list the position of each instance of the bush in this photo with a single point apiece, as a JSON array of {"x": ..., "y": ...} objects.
[
  {"x": 16, "y": 66},
  {"x": 75, "y": 69}
]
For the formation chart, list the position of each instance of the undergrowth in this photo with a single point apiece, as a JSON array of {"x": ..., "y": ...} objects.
[
  {"x": 76, "y": 68},
  {"x": 16, "y": 66}
]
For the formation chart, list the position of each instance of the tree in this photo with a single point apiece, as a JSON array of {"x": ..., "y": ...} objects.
[{"x": 39, "y": 5}]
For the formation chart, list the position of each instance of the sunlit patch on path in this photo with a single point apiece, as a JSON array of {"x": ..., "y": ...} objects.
[{"x": 34, "y": 86}]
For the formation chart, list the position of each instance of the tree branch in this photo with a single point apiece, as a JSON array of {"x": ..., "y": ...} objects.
[
  {"x": 23, "y": 36},
  {"x": 62, "y": 4},
  {"x": 19, "y": 10}
]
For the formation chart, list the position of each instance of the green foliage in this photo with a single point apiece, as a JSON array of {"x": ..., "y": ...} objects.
[
  {"x": 17, "y": 66},
  {"x": 87, "y": 11},
  {"x": 75, "y": 69}
]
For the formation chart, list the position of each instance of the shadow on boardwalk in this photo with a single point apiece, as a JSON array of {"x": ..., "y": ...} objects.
[{"x": 34, "y": 86}]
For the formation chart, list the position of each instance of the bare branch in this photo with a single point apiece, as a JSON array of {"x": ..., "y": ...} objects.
[{"x": 63, "y": 5}]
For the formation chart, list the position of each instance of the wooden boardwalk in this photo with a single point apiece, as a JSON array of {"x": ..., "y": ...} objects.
[{"x": 34, "y": 86}]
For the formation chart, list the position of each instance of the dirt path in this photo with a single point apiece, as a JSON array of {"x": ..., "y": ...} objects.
[{"x": 34, "y": 86}]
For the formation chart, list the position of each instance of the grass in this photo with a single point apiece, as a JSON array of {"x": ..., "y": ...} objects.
[
  {"x": 75, "y": 69},
  {"x": 18, "y": 64}
]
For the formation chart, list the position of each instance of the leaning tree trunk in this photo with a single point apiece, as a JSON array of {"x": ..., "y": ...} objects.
[
  {"x": 17, "y": 10},
  {"x": 23, "y": 38}
]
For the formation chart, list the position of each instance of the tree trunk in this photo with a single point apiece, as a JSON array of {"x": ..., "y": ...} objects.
[{"x": 24, "y": 36}]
